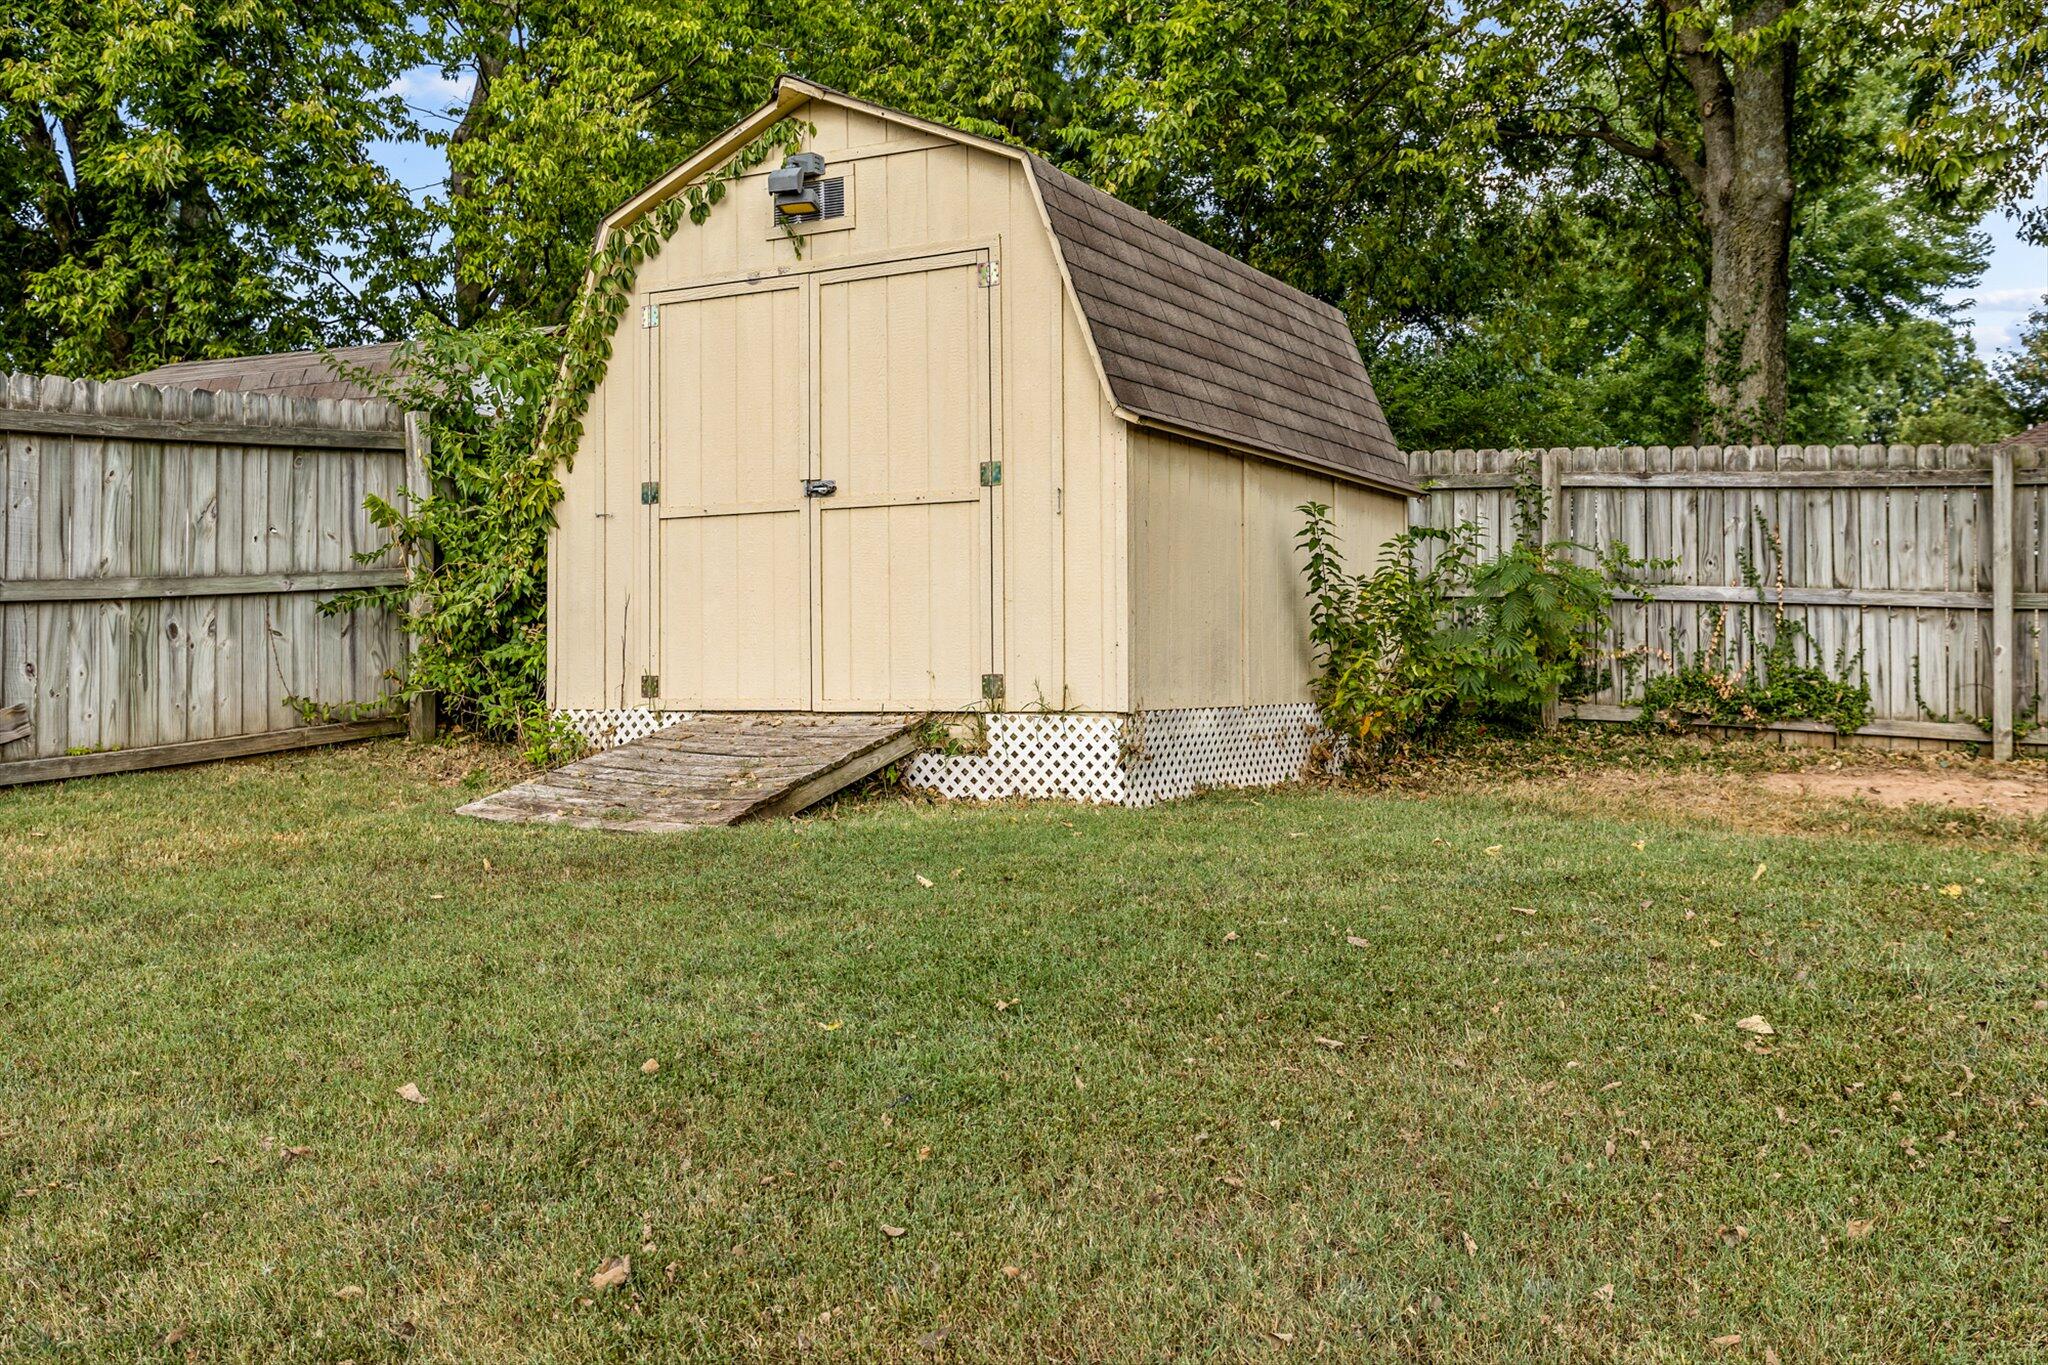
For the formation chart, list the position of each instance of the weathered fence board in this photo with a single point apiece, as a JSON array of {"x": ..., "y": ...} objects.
[
  {"x": 1924, "y": 569},
  {"x": 163, "y": 555}
]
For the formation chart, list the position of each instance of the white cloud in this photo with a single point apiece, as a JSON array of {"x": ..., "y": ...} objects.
[
  {"x": 427, "y": 88},
  {"x": 1994, "y": 316}
]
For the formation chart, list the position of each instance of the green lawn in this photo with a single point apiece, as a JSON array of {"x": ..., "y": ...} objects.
[{"x": 1251, "y": 1075}]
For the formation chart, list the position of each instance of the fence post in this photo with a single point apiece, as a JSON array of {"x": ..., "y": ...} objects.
[
  {"x": 2004, "y": 644},
  {"x": 422, "y": 718},
  {"x": 1550, "y": 464}
]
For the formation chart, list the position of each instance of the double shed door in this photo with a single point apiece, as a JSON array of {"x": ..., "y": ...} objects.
[{"x": 771, "y": 593}]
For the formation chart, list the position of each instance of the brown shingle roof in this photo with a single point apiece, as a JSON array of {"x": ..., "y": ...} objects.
[
  {"x": 2035, "y": 435},
  {"x": 293, "y": 374},
  {"x": 1199, "y": 340}
]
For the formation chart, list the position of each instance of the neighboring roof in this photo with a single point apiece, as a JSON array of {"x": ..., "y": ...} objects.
[
  {"x": 2035, "y": 435},
  {"x": 1197, "y": 339},
  {"x": 1184, "y": 337},
  {"x": 292, "y": 374}
]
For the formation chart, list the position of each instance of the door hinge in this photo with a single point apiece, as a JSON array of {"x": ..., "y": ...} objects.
[
  {"x": 991, "y": 473},
  {"x": 650, "y": 685},
  {"x": 650, "y": 315},
  {"x": 991, "y": 275},
  {"x": 992, "y": 687},
  {"x": 650, "y": 493}
]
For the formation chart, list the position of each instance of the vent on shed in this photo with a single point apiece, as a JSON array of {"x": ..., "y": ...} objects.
[{"x": 833, "y": 198}]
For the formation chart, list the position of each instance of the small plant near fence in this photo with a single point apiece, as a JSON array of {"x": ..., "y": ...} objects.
[
  {"x": 1782, "y": 680},
  {"x": 1410, "y": 652}
]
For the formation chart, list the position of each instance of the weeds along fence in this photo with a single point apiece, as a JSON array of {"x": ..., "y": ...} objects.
[
  {"x": 1922, "y": 570},
  {"x": 163, "y": 555}
]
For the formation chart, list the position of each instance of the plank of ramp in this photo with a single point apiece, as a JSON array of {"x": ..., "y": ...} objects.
[{"x": 709, "y": 770}]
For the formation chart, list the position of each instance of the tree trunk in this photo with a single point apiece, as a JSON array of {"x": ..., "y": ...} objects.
[{"x": 1743, "y": 185}]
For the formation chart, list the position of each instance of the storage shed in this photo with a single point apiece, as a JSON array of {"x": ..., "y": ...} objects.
[{"x": 969, "y": 435}]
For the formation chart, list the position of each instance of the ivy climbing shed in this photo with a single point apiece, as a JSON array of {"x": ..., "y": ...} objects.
[{"x": 915, "y": 422}]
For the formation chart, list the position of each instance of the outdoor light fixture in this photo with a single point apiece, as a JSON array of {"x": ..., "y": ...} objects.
[{"x": 794, "y": 186}]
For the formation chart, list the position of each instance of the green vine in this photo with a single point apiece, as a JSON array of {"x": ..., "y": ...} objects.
[
  {"x": 614, "y": 268},
  {"x": 1712, "y": 689},
  {"x": 505, "y": 401}
]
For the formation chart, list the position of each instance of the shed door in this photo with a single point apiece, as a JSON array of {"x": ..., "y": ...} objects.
[
  {"x": 902, "y": 595},
  {"x": 732, "y": 450}
]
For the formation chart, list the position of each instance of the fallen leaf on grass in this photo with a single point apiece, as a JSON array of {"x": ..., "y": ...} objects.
[
  {"x": 1471, "y": 1247},
  {"x": 1230, "y": 936},
  {"x": 933, "y": 1340},
  {"x": 1726, "y": 1343},
  {"x": 1334, "y": 1044},
  {"x": 832, "y": 1027},
  {"x": 1521, "y": 909},
  {"x": 924, "y": 881},
  {"x": 1952, "y": 889},
  {"x": 410, "y": 1093},
  {"x": 1770, "y": 1356},
  {"x": 615, "y": 1271},
  {"x": 349, "y": 1291},
  {"x": 1236, "y": 1182},
  {"x": 1357, "y": 942},
  {"x": 1284, "y": 1338},
  {"x": 1758, "y": 876},
  {"x": 174, "y": 1336},
  {"x": 1734, "y": 1235},
  {"x": 1856, "y": 1229},
  {"x": 1756, "y": 1024},
  {"x": 892, "y": 1233},
  {"x": 1011, "y": 1272},
  {"x": 1605, "y": 1293},
  {"x": 1493, "y": 850},
  {"x": 649, "y": 1067},
  {"x": 292, "y": 1154}
]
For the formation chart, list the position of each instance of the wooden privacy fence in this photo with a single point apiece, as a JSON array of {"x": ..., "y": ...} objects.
[
  {"x": 1922, "y": 569},
  {"x": 163, "y": 554}
]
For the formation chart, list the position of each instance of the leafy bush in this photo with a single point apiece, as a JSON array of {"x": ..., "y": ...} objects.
[
  {"x": 1713, "y": 688},
  {"x": 479, "y": 618},
  {"x": 1407, "y": 652}
]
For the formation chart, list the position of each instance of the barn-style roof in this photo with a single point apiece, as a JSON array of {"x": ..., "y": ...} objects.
[
  {"x": 1195, "y": 338},
  {"x": 1185, "y": 338},
  {"x": 291, "y": 374}
]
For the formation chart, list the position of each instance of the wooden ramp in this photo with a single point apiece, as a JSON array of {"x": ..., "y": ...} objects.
[{"x": 712, "y": 769}]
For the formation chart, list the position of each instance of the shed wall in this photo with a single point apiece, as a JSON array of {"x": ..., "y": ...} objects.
[
  {"x": 1218, "y": 615},
  {"x": 1060, "y": 513}
]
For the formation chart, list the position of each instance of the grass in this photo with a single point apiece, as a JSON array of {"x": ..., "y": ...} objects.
[{"x": 1091, "y": 1072}]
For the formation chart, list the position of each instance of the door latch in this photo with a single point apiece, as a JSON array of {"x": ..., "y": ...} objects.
[{"x": 820, "y": 488}]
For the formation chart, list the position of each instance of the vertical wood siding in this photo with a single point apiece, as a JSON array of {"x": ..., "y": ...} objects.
[
  {"x": 1219, "y": 615},
  {"x": 161, "y": 565}
]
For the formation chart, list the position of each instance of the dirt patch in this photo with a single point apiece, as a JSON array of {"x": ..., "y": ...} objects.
[{"x": 2018, "y": 796}]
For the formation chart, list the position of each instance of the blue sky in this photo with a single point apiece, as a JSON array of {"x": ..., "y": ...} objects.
[{"x": 2012, "y": 286}]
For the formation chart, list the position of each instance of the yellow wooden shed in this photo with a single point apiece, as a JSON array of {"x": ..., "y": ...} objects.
[{"x": 961, "y": 434}]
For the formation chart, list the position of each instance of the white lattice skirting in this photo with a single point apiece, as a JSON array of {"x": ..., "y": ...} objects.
[
  {"x": 1126, "y": 760},
  {"x": 601, "y": 729}
]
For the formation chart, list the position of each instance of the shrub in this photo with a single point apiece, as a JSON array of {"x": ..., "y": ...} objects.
[
  {"x": 1409, "y": 651},
  {"x": 1714, "y": 688},
  {"x": 479, "y": 619}
]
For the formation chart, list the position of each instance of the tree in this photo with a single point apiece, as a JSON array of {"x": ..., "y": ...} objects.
[
  {"x": 1739, "y": 107},
  {"x": 572, "y": 106},
  {"x": 2024, "y": 375},
  {"x": 189, "y": 180}
]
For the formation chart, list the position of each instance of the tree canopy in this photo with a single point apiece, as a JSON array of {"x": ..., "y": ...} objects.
[{"x": 1548, "y": 220}]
